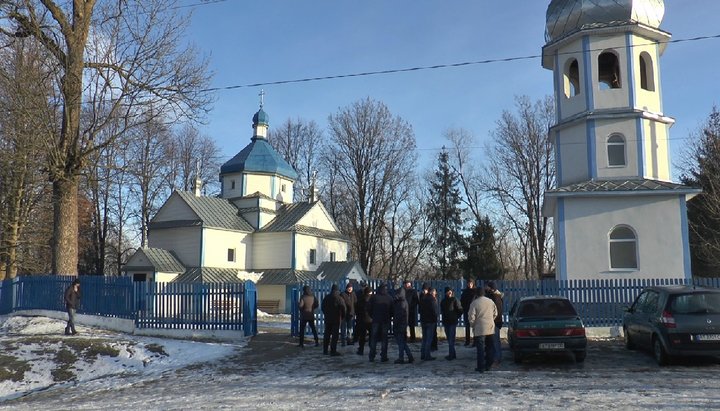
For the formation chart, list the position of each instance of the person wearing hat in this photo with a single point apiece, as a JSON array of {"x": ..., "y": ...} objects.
[
  {"x": 346, "y": 326},
  {"x": 466, "y": 298},
  {"x": 496, "y": 296},
  {"x": 333, "y": 308},
  {"x": 72, "y": 301},
  {"x": 411, "y": 296},
  {"x": 308, "y": 304},
  {"x": 451, "y": 311},
  {"x": 429, "y": 313}
]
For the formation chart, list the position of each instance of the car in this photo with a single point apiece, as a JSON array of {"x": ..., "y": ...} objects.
[
  {"x": 545, "y": 324},
  {"x": 673, "y": 321}
]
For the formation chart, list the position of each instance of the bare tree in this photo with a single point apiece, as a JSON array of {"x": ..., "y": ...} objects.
[
  {"x": 469, "y": 174},
  {"x": 300, "y": 143},
  {"x": 114, "y": 58},
  {"x": 370, "y": 156},
  {"x": 190, "y": 153},
  {"x": 520, "y": 169}
]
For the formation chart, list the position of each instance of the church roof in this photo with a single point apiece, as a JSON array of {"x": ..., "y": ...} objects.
[
  {"x": 618, "y": 186},
  {"x": 285, "y": 276},
  {"x": 208, "y": 275},
  {"x": 259, "y": 157},
  {"x": 565, "y": 17},
  {"x": 288, "y": 217},
  {"x": 216, "y": 212},
  {"x": 337, "y": 271},
  {"x": 161, "y": 261}
]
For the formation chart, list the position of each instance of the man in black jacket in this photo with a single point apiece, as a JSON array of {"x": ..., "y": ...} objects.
[
  {"x": 411, "y": 296},
  {"x": 333, "y": 307},
  {"x": 466, "y": 298},
  {"x": 429, "y": 313},
  {"x": 72, "y": 301},
  {"x": 400, "y": 320},
  {"x": 346, "y": 327},
  {"x": 381, "y": 314},
  {"x": 451, "y": 312},
  {"x": 308, "y": 304}
]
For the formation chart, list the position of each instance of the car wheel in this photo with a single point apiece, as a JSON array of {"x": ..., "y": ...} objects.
[
  {"x": 517, "y": 357},
  {"x": 659, "y": 352},
  {"x": 580, "y": 356},
  {"x": 629, "y": 344}
]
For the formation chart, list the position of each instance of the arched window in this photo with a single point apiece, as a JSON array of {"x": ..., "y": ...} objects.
[
  {"x": 609, "y": 71},
  {"x": 571, "y": 78},
  {"x": 623, "y": 249},
  {"x": 616, "y": 150},
  {"x": 647, "y": 75}
]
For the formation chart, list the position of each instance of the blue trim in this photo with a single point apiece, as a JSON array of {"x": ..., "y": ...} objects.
[
  {"x": 685, "y": 237},
  {"x": 559, "y": 86},
  {"x": 273, "y": 186},
  {"x": 630, "y": 73},
  {"x": 591, "y": 149},
  {"x": 558, "y": 159},
  {"x": 202, "y": 247},
  {"x": 243, "y": 189},
  {"x": 292, "y": 251},
  {"x": 658, "y": 89},
  {"x": 587, "y": 70},
  {"x": 640, "y": 136},
  {"x": 561, "y": 242}
]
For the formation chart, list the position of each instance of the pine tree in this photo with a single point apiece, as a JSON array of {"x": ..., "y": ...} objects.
[
  {"x": 482, "y": 260},
  {"x": 445, "y": 217}
]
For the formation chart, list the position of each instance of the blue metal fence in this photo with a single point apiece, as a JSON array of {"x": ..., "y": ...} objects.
[
  {"x": 599, "y": 302},
  {"x": 230, "y": 306}
]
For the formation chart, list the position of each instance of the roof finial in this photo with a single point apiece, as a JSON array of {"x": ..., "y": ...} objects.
[{"x": 262, "y": 98}]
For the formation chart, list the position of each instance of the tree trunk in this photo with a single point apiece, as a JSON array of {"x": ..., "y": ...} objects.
[{"x": 65, "y": 230}]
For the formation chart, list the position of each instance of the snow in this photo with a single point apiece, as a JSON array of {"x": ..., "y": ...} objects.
[{"x": 270, "y": 372}]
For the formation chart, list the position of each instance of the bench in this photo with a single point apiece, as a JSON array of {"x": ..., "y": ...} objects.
[{"x": 269, "y": 306}]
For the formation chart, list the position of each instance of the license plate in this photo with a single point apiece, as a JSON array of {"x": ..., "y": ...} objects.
[
  {"x": 552, "y": 346},
  {"x": 707, "y": 337}
]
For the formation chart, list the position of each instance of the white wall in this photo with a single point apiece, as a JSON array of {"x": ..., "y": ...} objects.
[
  {"x": 216, "y": 245},
  {"x": 184, "y": 241},
  {"x": 271, "y": 250},
  {"x": 174, "y": 209},
  {"x": 323, "y": 248}
]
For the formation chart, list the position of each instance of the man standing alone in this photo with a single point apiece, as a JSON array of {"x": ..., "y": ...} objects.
[
  {"x": 482, "y": 315},
  {"x": 72, "y": 301}
]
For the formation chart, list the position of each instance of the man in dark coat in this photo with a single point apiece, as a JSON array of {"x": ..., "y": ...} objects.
[
  {"x": 381, "y": 314},
  {"x": 400, "y": 321},
  {"x": 496, "y": 296},
  {"x": 308, "y": 304},
  {"x": 451, "y": 312},
  {"x": 346, "y": 326},
  {"x": 411, "y": 296},
  {"x": 363, "y": 323},
  {"x": 466, "y": 298},
  {"x": 333, "y": 307},
  {"x": 72, "y": 301},
  {"x": 429, "y": 313}
]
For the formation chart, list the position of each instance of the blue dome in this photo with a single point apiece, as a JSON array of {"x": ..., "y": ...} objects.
[
  {"x": 259, "y": 157},
  {"x": 261, "y": 118}
]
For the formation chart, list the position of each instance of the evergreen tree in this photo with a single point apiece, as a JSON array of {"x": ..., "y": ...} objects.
[
  {"x": 704, "y": 209},
  {"x": 482, "y": 260},
  {"x": 445, "y": 217}
]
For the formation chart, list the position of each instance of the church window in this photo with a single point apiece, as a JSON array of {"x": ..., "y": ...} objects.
[
  {"x": 332, "y": 256},
  {"x": 616, "y": 151},
  {"x": 623, "y": 249},
  {"x": 282, "y": 188},
  {"x": 571, "y": 78},
  {"x": 609, "y": 71},
  {"x": 312, "y": 256},
  {"x": 647, "y": 76},
  {"x": 232, "y": 184},
  {"x": 231, "y": 254}
]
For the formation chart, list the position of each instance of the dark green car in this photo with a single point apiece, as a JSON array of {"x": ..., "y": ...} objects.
[{"x": 546, "y": 324}]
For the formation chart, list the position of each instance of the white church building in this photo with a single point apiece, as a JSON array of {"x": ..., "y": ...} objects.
[
  {"x": 253, "y": 230},
  {"x": 616, "y": 212}
]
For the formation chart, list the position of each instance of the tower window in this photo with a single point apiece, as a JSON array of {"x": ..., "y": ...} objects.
[
  {"x": 609, "y": 71},
  {"x": 332, "y": 256},
  {"x": 231, "y": 254},
  {"x": 616, "y": 150},
  {"x": 232, "y": 184},
  {"x": 571, "y": 78},
  {"x": 282, "y": 188},
  {"x": 312, "y": 256},
  {"x": 623, "y": 249},
  {"x": 647, "y": 75}
]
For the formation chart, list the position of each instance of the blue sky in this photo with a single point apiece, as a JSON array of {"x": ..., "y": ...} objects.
[{"x": 273, "y": 40}]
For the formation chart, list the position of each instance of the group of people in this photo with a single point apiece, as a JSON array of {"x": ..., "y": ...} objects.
[{"x": 367, "y": 316}]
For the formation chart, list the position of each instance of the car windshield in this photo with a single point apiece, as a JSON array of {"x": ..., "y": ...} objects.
[
  {"x": 696, "y": 303},
  {"x": 546, "y": 308}
]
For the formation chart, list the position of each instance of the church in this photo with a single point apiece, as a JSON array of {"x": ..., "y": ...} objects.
[
  {"x": 616, "y": 212},
  {"x": 253, "y": 231}
]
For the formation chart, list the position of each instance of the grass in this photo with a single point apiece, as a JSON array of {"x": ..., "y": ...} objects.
[
  {"x": 12, "y": 368},
  {"x": 156, "y": 349}
]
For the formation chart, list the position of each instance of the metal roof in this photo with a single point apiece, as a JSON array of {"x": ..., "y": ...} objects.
[
  {"x": 285, "y": 276},
  {"x": 259, "y": 157},
  {"x": 337, "y": 271},
  {"x": 216, "y": 212},
  {"x": 616, "y": 186},
  {"x": 288, "y": 215},
  {"x": 161, "y": 260},
  {"x": 208, "y": 275}
]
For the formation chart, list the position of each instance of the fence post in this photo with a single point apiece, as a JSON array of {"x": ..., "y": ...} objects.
[
  {"x": 250, "y": 309},
  {"x": 294, "y": 313}
]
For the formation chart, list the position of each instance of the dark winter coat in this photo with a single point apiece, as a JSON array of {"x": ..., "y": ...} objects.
[
  {"x": 400, "y": 312},
  {"x": 451, "y": 310},
  {"x": 333, "y": 306},
  {"x": 411, "y": 296},
  {"x": 308, "y": 304},
  {"x": 497, "y": 298},
  {"x": 72, "y": 298},
  {"x": 350, "y": 300},
  {"x": 429, "y": 309},
  {"x": 362, "y": 309},
  {"x": 466, "y": 298},
  {"x": 381, "y": 306}
]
